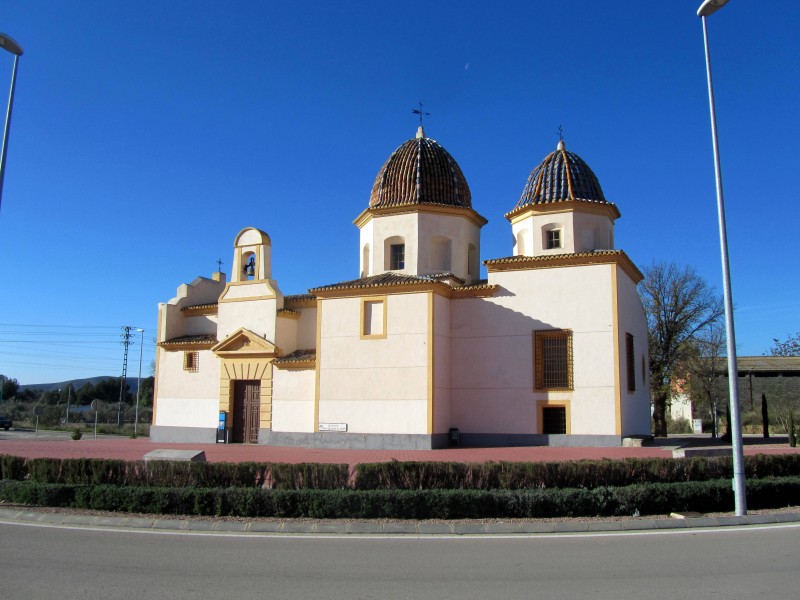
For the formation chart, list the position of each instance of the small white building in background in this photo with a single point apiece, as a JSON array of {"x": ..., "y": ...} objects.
[{"x": 417, "y": 350}]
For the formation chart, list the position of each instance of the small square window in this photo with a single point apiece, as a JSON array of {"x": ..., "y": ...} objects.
[
  {"x": 191, "y": 361},
  {"x": 554, "y": 419},
  {"x": 398, "y": 257},
  {"x": 553, "y": 239},
  {"x": 373, "y": 318}
]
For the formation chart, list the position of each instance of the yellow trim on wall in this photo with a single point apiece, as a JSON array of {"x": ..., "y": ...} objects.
[
  {"x": 542, "y": 404},
  {"x": 615, "y": 333},
  {"x": 431, "y": 374},
  {"x": 468, "y": 213},
  {"x": 582, "y": 259},
  {"x": 246, "y": 368},
  {"x": 566, "y": 206},
  {"x": 318, "y": 363},
  {"x": 377, "y": 300}
]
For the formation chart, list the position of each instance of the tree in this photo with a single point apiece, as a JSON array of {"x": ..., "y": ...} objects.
[
  {"x": 702, "y": 369},
  {"x": 10, "y": 387},
  {"x": 788, "y": 347},
  {"x": 679, "y": 304}
]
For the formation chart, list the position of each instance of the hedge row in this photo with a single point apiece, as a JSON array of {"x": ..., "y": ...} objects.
[
  {"x": 84, "y": 471},
  {"x": 652, "y": 498},
  {"x": 394, "y": 475}
]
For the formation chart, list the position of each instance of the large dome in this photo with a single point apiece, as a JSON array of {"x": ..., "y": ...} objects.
[
  {"x": 420, "y": 171},
  {"x": 561, "y": 176}
]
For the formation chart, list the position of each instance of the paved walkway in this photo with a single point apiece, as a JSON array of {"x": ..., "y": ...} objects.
[{"x": 59, "y": 445}]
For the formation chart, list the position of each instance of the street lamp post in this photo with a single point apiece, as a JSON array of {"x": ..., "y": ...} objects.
[
  {"x": 138, "y": 384},
  {"x": 739, "y": 490},
  {"x": 8, "y": 44}
]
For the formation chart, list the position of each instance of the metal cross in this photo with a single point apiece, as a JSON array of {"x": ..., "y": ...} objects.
[
  {"x": 560, "y": 134},
  {"x": 420, "y": 112},
  {"x": 219, "y": 264}
]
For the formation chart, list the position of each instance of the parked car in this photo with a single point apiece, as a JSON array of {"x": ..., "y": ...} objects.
[{"x": 6, "y": 423}]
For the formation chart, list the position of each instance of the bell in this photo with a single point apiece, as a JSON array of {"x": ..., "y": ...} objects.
[{"x": 250, "y": 267}]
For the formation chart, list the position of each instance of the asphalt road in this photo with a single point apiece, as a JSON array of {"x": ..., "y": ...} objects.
[{"x": 46, "y": 562}]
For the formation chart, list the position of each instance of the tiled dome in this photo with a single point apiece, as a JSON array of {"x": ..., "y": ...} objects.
[
  {"x": 561, "y": 176},
  {"x": 420, "y": 171}
]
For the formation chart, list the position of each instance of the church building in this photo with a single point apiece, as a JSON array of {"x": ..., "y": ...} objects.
[{"x": 418, "y": 352}]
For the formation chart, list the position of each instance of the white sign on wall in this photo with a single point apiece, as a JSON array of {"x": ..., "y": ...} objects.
[{"x": 333, "y": 427}]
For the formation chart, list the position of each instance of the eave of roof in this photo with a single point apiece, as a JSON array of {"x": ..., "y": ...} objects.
[
  {"x": 520, "y": 263},
  {"x": 189, "y": 342}
]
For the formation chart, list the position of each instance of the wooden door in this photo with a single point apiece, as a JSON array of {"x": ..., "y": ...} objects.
[{"x": 246, "y": 411}]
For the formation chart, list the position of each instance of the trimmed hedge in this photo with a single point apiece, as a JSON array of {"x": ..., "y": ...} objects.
[
  {"x": 394, "y": 475},
  {"x": 85, "y": 471},
  {"x": 579, "y": 473},
  {"x": 652, "y": 498}
]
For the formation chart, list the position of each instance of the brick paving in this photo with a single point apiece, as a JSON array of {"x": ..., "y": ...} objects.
[{"x": 135, "y": 449}]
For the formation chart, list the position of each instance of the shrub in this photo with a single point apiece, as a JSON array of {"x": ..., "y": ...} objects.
[{"x": 77, "y": 433}]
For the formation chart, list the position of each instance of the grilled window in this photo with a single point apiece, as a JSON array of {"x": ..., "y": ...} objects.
[
  {"x": 553, "y": 359},
  {"x": 191, "y": 361},
  {"x": 631, "y": 362}
]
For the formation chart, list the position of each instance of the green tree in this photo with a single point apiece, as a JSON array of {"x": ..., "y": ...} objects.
[
  {"x": 146, "y": 393},
  {"x": 679, "y": 304},
  {"x": 10, "y": 387}
]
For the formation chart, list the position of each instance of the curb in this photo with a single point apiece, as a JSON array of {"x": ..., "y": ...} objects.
[{"x": 413, "y": 528}]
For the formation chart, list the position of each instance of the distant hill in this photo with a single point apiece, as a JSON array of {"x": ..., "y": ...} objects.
[{"x": 76, "y": 383}]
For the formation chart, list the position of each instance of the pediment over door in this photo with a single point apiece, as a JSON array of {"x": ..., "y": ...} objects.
[{"x": 244, "y": 342}]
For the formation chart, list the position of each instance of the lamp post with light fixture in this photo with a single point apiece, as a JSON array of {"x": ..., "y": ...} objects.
[
  {"x": 739, "y": 490},
  {"x": 8, "y": 44}
]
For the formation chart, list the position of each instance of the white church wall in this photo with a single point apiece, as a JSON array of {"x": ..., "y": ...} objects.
[
  {"x": 492, "y": 350},
  {"x": 256, "y": 315},
  {"x": 442, "y": 410},
  {"x": 293, "y": 400},
  {"x": 307, "y": 329},
  {"x": 185, "y": 398},
  {"x": 379, "y": 384},
  {"x": 635, "y": 405},
  {"x": 286, "y": 334},
  {"x": 385, "y": 227}
]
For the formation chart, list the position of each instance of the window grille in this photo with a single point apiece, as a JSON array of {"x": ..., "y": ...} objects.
[
  {"x": 191, "y": 362},
  {"x": 553, "y": 359},
  {"x": 631, "y": 362}
]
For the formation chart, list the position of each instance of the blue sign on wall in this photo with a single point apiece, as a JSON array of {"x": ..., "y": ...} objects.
[{"x": 223, "y": 416}]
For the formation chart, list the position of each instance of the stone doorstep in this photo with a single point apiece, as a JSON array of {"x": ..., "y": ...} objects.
[
  {"x": 172, "y": 455},
  {"x": 689, "y": 452}
]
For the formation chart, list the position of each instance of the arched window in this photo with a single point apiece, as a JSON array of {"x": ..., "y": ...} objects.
[
  {"x": 394, "y": 253},
  {"x": 365, "y": 265},
  {"x": 552, "y": 236},
  {"x": 472, "y": 261},
  {"x": 248, "y": 266},
  {"x": 520, "y": 243},
  {"x": 441, "y": 248}
]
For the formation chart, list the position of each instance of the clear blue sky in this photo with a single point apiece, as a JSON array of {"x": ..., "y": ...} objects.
[{"x": 145, "y": 135}]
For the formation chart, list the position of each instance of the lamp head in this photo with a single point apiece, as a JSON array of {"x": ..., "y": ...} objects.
[
  {"x": 710, "y": 7},
  {"x": 8, "y": 43}
]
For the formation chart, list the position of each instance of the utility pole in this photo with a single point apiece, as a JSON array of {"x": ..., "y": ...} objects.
[{"x": 126, "y": 342}]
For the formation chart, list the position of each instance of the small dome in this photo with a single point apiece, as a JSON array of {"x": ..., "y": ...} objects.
[
  {"x": 420, "y": 171},
  {"x": 561, "y": 176}
]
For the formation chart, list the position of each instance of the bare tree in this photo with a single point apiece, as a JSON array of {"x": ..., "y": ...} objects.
[
  {"x": 703, "y": 370},
  {"x": 679, "y": 304},
  {"x": 788, "y": 347}
]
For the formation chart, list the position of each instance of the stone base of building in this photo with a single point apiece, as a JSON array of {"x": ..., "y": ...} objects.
[
  {"x": 183, "y": 435},
  {"x": 354, "y": 441},
  {"x": 386, "y": 441}
]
